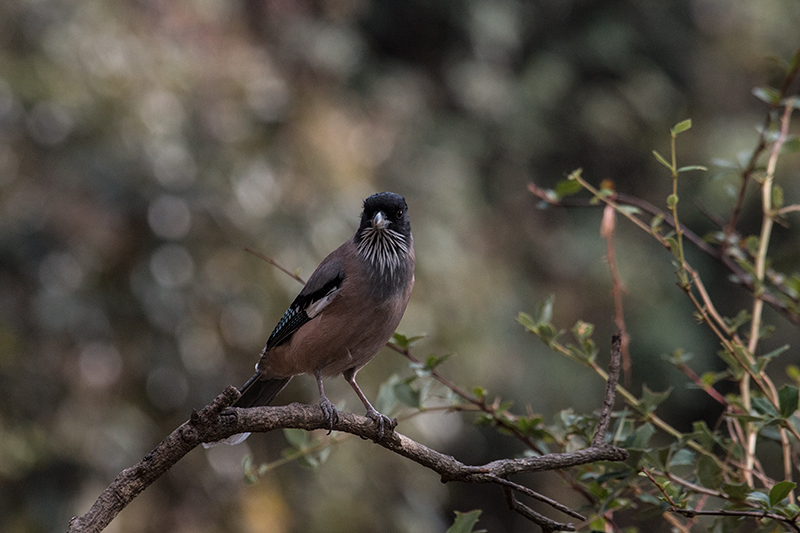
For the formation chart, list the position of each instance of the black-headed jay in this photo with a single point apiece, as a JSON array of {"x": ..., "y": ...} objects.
[{"x": 347, "y": 311}]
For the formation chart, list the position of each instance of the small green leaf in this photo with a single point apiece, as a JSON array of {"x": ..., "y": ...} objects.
[
  {"x": 788, "y": 399},
  {"x": 297, "y": 437},
  {"x": 777, "y": 197},
  {"x": 709, "y": 472},
  {"x": 660, "y": 159},
  {"x": 650, "y": 400},
  {"x": 387, "y": 395},
  {"x": 526, "y": 320},
  {"x": 737, "y": 491},
  {"x": 763, "y": 406},
  {"x": 690, "y": 168},
  {"x": 759, "y": 497},
  {"x": 779, "y": 491},
  {"x": 673, "y": 246},
  {"x": 640, "y": 438},
  {"x": 791, "y": 145},
  {"x": 567, "y": 188},
  {"x": 544, "y": 312},
  {"x": 407, "y": 394},
  {"x": 630, "y": 210},
  {"x": 679, "y": 357},
  {"x": 768, "y": 95},
  {"x": 672, "y": 201},
  {"x": 682, "y": 457},
  {"x": 703, "y": 435},
  {"x": 464, "y": 522},
  {"x": 434, "y": 360},
  {"x": 655, "y": 224},
  {"x": 575, "y": 174},
  {"x": 403, "y": 342},
  {"x": 682, "y": 126}
]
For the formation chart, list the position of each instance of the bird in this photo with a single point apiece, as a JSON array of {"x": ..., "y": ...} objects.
[{"x": 348, "y": 309}]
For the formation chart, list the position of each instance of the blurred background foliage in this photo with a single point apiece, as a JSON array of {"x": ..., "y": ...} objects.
[{"x": 144, "y": 144}]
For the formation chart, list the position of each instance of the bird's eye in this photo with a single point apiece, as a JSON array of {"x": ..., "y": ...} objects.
[{"x": 399, "y": 214}]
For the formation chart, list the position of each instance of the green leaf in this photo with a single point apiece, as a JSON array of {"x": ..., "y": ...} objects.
[
  {"x": 777, "y": 197},
  {"x": 679, "y": 357},
  {"x": 787, "y": 399},
  {"x": 544, "y": 312},
  {"x": 737, "y": 491},
  {"x": 672, "y": 201},
  {"x": 630, "y": 210},
  {"x": 299, "y": 438},
  {"x": 434, "y": 360},
  {"x": 464, "y": 522},
  {"x": 650, "y": 400},
  {"x": 703, "y": 435},
  {"x": 779, "y": 491},
  {"x": 764, "y": 407},
  {"x": 526, "y": 320},
  {"x": 387, "y": 395},
  {"x": 690, "y": 168},
  {"x": 759, "y": 497},
  {"x": 660, "y": 159},
  {"x": 655, "y": 224},
  {"x": 682, "y": 457},
  {"x": 640, "y": 438},
  {"x": 407, "y": 394},
  {"x": 709, "y": 472},
  {"x": 768, "y": 95},
  {"x": 575, "y": 174},
  {"x": 792, "y": 144},
  {"x": 682, "y": 126},
  {"x": 673, "y": 246},
  {"x": 567, "y": 188},
  {"x": 403, "y": 342}
]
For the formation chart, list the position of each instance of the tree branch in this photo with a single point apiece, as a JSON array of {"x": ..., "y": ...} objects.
[{"x": 218, "y": 421}]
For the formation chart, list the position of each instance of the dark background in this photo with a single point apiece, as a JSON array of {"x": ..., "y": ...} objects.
[{"x": 144, "y": 144}]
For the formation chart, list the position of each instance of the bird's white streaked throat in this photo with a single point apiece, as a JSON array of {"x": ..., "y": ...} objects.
[{"x": 383, "y": 247}]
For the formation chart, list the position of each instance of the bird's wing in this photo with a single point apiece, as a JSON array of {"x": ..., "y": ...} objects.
[{"x": 319, "y": 291}]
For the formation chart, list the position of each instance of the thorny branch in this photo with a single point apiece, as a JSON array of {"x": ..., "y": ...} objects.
[{"x": 674, "y": 507}]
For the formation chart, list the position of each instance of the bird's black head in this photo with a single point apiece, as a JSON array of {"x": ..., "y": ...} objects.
[
  {"x": 384, "y": 240},
  {"x": 386, "y": 210}
]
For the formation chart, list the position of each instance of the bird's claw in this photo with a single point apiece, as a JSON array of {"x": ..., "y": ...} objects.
[
  {"x": 329, "y": 411},
  {"x": 383, "y": 422}
]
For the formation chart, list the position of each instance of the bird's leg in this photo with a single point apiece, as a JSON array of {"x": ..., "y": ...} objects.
[
  {"x": 382, "y": 421},
  {"x": 328, "y": 409}
]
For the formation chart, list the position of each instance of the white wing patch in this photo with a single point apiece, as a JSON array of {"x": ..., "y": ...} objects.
[{"x": 315, "y": 308}]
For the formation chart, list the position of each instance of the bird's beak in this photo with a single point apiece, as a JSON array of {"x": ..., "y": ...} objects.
[{"x": 379, "y": 221}]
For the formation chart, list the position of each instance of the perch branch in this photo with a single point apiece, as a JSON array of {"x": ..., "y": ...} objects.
[
  {"x": 218, "y": 421},
  {"x": 214, "y": 422}
]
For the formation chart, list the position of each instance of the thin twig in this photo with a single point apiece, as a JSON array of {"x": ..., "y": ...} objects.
[
  {"x": 607, "y": 227},
  {"x": 611, "y": 391},
  {"x": 274, "y": 263},
  {"x": 691, "y": 513}
]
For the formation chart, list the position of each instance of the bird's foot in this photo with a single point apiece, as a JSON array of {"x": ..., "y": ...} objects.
[
  {"x": 383, "y": 422},
  {"x": 329, "y": 411}
]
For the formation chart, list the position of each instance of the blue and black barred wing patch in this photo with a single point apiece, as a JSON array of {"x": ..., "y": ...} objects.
[
  {"x": 290, "y": 322},
  {"x": 304, "y": 308}
]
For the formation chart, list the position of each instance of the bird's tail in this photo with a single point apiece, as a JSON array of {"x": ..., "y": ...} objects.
[
  {"x": 259, "y": 391},
  {"x": 254, "y": 393}
]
